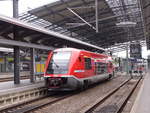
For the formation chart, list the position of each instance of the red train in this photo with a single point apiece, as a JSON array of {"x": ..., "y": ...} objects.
[{"x": 70, "y": 69}]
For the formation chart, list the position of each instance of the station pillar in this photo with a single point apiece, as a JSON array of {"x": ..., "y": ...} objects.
[
  {"x": 16, "y": 65},
  {"x": 32, "y": 63},
  {"x": 16, "y": 48},
  {"x": 127, "y": 59},
  {"x": 5, "y": 63},
  {"x": 148, "y": 62},
  {"x": 15, "y": 8}
]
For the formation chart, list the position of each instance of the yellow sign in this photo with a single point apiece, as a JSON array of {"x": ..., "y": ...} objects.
[
  {"x": 1, "y": 60},
  {"x": 40, "y": 67}
]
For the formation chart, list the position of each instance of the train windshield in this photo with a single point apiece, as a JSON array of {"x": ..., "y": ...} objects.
[{"x": 59, "y": 63}]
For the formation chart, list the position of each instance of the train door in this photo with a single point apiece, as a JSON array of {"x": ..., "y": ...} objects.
[
  {"x": 88, "y": 66},
  {"x": 110, "y": 67},
  {"x": 100, "y": 68}
]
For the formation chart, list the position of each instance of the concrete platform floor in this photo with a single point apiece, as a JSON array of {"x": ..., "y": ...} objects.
[
  {"x": 10, "y": 74},
  {"x": 142, "y": 102},
  {"x": 10, "y": 87}
]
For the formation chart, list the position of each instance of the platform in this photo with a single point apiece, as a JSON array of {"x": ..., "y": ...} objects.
[
  {"x": 11, "y": 74},
  {"x": 11, "y": 94},
  {"x": 142, "y": 102},
  {"x": 10, "y": 87}
]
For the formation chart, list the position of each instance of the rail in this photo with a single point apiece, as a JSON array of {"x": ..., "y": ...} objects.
[
  {"x": 36, "y": 104},
  {"x": 109, "y": 94}
]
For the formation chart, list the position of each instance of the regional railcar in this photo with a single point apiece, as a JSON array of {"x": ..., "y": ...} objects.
[{"x": 70, "y": 69}]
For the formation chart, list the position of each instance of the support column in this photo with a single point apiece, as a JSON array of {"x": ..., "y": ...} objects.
[
  {"x": 148, "y": 62},
  {"x": 32, "y": 67},
  {"x": 127, "y": 60},
  {"x": 16, "y": 48},
  {"x": 96, "y": 14},
  {"x": 15, "y": 8},
  {"x": 5, "y": 63},
  {"x": 16, "y": 65}
]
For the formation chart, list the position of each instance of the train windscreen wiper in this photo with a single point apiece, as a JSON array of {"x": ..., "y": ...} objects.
[{"x": 55, "y": 63}]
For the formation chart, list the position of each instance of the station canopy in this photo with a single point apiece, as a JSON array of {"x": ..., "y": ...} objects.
[
  {"x": 33, "y": 36},
  {"x": 77, "y": 19}
]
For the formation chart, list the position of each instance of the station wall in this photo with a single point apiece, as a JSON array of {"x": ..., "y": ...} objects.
[{"x": 7, "y": 65}]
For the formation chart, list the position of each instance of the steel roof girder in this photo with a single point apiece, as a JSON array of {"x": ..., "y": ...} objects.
[{"x": 24, "y": 44}]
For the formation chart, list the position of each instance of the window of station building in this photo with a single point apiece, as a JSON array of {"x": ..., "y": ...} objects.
[{"x": 88, "y": 65}]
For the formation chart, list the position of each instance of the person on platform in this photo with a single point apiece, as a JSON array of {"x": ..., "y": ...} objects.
[{"x": 141, "y": 69}]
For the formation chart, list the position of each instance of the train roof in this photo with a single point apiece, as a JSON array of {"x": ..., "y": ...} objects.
[
  {"x": 67, "y": 49},
  {"x": 78, "y": 50}
]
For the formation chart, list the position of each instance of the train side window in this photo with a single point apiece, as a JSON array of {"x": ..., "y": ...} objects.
[{"x": 88, "y": 65}]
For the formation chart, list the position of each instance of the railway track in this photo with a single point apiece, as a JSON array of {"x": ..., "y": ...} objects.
[
  {"x": 101, "y": 106},
  {"x": 115, "y": 100},
  {"x": 37, "y": 103}
]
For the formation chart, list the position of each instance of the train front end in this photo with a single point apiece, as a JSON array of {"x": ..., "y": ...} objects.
[{"x": 57, "y": 73}]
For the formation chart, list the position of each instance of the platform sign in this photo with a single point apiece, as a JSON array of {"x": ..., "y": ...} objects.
[{"x": 135, "y": 51}]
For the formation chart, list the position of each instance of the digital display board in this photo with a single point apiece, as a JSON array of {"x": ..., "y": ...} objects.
[{"x": 135, "y": 51}]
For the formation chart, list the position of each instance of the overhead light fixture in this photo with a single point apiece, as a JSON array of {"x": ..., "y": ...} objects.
[{"x": 126, "y": 24}]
